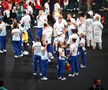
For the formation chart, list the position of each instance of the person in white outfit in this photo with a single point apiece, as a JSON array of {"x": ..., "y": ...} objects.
[
  {"x": 69, "y": 28},
  {"x": 95, "y": 15},
  {"x": 97, "y": 33},
  {"x": 47, "y": 36},
  {"x": 16, "y": 39},
  {"x": 61, "y": 61},
  {"x": 26, "y": 21},
  {"x": 29, "y": 9},
  {"x": 44, "y": 60},
  {"x": 41, "y": 19},
  {"x": 73, "y": 58},
  {"x": 47, "y": 7},
  {"x": 57, "y": 10},
  {"x": 89, "y": 30},
  {"x": 60, "y": 37},
  {"x": 24, "y": 36},
  {"x": 82, "y": 50},
  {"x": 58, "y": 26},
  {"x": 36, "y": 50},
  {"x": 81, "y": 24},
  {"x": 74, "y": 35},
  {"x": 73, "y": 22},
  {"x": 2, "y": 36}
]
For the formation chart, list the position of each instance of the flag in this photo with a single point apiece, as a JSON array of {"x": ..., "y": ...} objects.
[
  {"x": 68, "y": 68},
  {"x": 25, "y": 37}
]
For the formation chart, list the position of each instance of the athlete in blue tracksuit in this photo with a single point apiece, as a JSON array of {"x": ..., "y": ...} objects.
[
  {"x": 16, "y": 39},
  {"x": 82, "y": 50},
  {"x": 47, "y": 36},
  {"x": 41, "y": 19},
  {"x": 73, "y": 58},
  {"x": 36, "y": 49},
  {"x": 61, "y": 61},
  {"x": 2, "y": 36},
  {"x": 44, "y": 61},
  {"x": 26, "y": 21}
]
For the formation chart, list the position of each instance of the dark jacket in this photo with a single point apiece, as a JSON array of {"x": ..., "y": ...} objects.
[{"x": 96, "y": 88}]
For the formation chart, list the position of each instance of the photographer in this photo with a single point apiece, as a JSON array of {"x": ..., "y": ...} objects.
[{"x": 96, "y": 85}]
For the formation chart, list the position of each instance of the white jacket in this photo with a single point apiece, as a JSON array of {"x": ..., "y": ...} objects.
[
  {"x": 89, "y": 29},
  {"x": 97, "y": 30}
]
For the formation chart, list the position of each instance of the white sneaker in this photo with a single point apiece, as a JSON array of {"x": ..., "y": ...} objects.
[
  {"x": 16, "y": 56},
  {"x": 100, "y": 48},
  {"x": 40, "y": 74},
  {"x": 77, "y": 8},
  {"x": 94, "y": 48},
  {"x": 79, "y": 53},
  {"x": 5, "y": 50},
  {"x": 25, "y": 52},
  {"x": 1, "y": 51},
  {"x": 44, "y": 78},
  {"x": 49, "y": 60},
  {"x": 83, "y": 48},
  {"x": 57, "y": 66},
  {"x": 63, "y": 78},
  {"x": 34, "y": 74},
  {"x": 22, "y": 44},
  {"x": 54, "y": 51},
  {"x": 67, "y": 49},
  {"x": 33, "y": 42},
  {"x": 52, "y": 57},
  {"x": 76, "y": 74},
  {"x": 28, "y": 44},
  {"x": 82, "y": 66},
  {"x": 71, "y": 75},
  {"x": 85, "y": 53},
  {"x": 21, "y": 55},
  {"x": 59, "y": 77},
  {"x": 31, "y": 63}
]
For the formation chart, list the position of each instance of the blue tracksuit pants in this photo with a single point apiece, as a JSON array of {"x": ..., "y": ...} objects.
[
  {"x": 17, "y": 47},
  {"x": 44, "y": 64},
  {"x": 2, "y": 43},
  {"x": 73, "y": 60},
  {"x": 35, "y": 60}
]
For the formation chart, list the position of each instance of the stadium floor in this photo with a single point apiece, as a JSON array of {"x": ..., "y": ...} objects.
[{"x": 17, "y": 73}]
